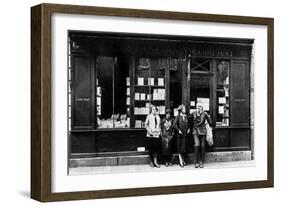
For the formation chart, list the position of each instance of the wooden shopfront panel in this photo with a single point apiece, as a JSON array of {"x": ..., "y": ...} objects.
[
  {"x": 81, "y": 87},
  {"x": 240, "y": 85},
  {"x": 240, "y": 105}
]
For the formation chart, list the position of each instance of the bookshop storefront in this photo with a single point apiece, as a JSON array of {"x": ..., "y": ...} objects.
[{"x": 114, "y": 78}]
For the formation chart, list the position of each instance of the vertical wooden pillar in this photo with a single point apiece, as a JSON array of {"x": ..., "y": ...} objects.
[
  {"x": 94, "y": 91},
  {"x": 132, "y": 63},
  {"x": 167, "y": 86},
  {"x": 93, "y": 109},
  {"x": 213, "y": 92},
  {"x": 188, "y": 79}
]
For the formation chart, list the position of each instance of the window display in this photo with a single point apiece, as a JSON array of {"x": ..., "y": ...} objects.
[
  {"x": 113, "y": 93},
  {"x": 222, "y": 93},
  {"x": 200, "y": 83},
  {"x": 149, "y": 89}
]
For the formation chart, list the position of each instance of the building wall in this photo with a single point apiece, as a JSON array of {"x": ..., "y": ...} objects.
[{"x": 87, "y": 138}]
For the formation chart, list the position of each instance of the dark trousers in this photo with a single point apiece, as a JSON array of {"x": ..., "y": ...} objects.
[{"x": 199, "y": 147}]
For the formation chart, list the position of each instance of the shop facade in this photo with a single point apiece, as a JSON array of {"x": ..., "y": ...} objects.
[{"x": 115, "y": 78}]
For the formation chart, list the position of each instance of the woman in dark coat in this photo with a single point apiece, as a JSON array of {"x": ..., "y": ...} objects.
[
  {"x": 182, "y": 127},
  {"x": 167, "y": 133},
  {"x": 199, "y": 133}
]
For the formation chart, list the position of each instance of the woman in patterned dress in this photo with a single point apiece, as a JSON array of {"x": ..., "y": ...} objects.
[{"x": 167, "y": 133}]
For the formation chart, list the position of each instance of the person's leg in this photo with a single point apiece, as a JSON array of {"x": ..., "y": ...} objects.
[
  {"x": 148, "y": 146},
  {"x": 184, "y": 149},
  {"x": 165, "y": 150},
  {"x": 165, "y": 159},
  {"x": 180, "y": 160},
  {"x": 169, "y": 154},
  {"x": 155, "y": 161},
  {"x": 202, "y": 144},
  {"x": 196, "y": 150},
  {"x": 156, "y": 151}
]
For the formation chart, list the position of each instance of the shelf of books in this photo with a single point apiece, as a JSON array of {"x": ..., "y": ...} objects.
[{"x": 149, "y": 89}]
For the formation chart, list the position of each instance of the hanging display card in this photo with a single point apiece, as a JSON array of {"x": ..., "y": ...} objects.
[
  {"x": 128, "y": 81},
  {"x": 142, "y": 96},
  {"x": 150, "y": 81},
  {"x": 205, "y": 103},
  {"x": 137, "y": 96},
  {"x": 98, "y": 101},
  {"x": 222, "y": 100},
  {"x": 128, "y": 101},
  {"x": 221, "y": 109},
  {"x": 140, "y": 81},
  {"x": 160, "y": 81}
]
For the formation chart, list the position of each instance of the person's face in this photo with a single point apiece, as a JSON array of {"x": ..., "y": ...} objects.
[
  {"x": 153, "y": 110},
  {"x": 199, "y": 107},
  {"x": 183, "y": 110},
  {"x": 168, "y": 115}
]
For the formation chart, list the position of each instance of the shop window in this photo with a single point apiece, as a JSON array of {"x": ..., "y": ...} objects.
[
  {"x": 176, "y": 75},
  {"x": 149, "y": 85},
  {"x": 200, "y": 92},
  {"x": 199, "y": 65},
  {"x": 200, "y": 83},
  {"x": 111, "y": 93},
  {"x": 222, "y": 110}
]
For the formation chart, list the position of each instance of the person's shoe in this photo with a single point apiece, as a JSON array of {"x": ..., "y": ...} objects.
[
  {"x": 166, "y": 164},
  {"x": 201, "y": 165},
  {"x": 196, "y": 165},
  {"x": 156, "y": 165},
  {"x": 151, "y": 164},
  {"x": 181, "y": 164}
]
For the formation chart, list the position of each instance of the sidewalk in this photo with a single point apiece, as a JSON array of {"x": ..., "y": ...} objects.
[{"x": 147, "y": 168}]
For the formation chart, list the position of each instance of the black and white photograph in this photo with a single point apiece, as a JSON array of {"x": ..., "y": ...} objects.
[
  {"x": 156, "y": 103},
  {"x": 131, "y": 102}
]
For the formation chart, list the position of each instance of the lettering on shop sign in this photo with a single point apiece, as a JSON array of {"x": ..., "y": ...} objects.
[{"x": 82, "y": 99}]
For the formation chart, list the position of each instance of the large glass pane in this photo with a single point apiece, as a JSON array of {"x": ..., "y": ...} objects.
[
  {"x": 200, "y": 83},
  {"x": 113, "y": 93},
  {"x": 200, "y": 92},
  {"x": 104, "y": 95},
  {"x": 149, "y": 88},
  {"x": 222, "y": 111},
  {"x": 176, "y": 75},
  {"x": 121, "y": 94}
]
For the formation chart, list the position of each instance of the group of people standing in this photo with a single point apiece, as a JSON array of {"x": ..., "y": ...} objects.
[{"x": 160, "y": 134}]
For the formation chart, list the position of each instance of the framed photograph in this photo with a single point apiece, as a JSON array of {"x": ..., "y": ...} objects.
[{"x": 130, "y": 102}]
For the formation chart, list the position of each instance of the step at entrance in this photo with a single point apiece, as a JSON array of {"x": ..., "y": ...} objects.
[{"x": 137, "y": 158}]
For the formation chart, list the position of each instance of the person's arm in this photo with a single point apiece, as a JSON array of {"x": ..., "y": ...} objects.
[
  {"x": 190, "y": 123},
  {"x": 158, "y": 122},
  {"x": 209, "y": 120},
  {"x": 172, "y": 128},
  {"x": 162, "y": 126},
  {"x": 202, "y": 121},
  {"x": 146, "y": 124},
  {"x": 175, "y": 125}
]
